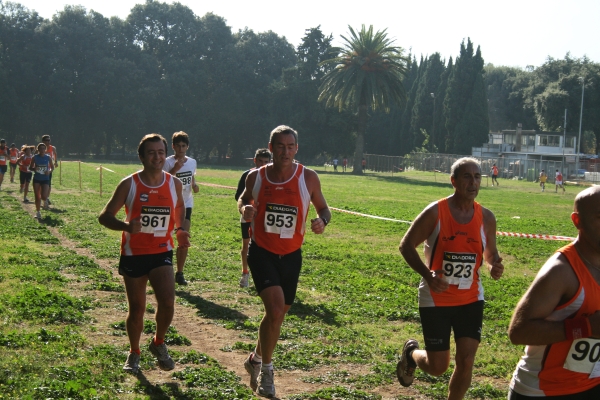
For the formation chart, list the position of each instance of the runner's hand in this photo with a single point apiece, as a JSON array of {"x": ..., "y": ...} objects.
[
  {"x": 438, "y": 283},
  {"x": 248, "y": 212},
  {"x": 496, "y": 269},
  {"x": 317, "y": 225},
  {"x": 134, "y": 226}
]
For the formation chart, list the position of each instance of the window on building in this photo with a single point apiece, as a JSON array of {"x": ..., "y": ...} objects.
[
  {"x": 570, "y": 142},
  {"x": 549, "y": 140},
  {"x": 509, "y": 138}
]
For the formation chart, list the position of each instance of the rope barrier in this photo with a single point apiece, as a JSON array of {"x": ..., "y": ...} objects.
[{"x": 510, "y": 234}]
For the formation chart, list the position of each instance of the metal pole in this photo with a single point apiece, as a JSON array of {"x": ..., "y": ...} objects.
[
  {"x": 580, "y": 119},
  {"x": 562, "y": 169}
]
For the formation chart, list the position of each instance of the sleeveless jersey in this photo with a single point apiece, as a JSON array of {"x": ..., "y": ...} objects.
[
  {"x": 494, "y": 170},
  {"x": 558, "y": 177},
  {"x": 42, "y": 164},
  {"x": 4, "y": 156},
  {"x": 14, "y": 155},
  {"x": 185, "y": 175},
  {"x": 280, "y": 222},
  {"x": 156, "y": 206},
  {"x": 543, "y": 178},
  {"x": 565, "y": 367},
  {"x": 25, "y": 162},
  {"x": 457, "y": 250}
]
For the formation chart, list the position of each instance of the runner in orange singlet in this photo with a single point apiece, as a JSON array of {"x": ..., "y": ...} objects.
[
  {"x": 495, "y": 175},
  {"x": 276, "y": 200},
  {"x": 14, "y": 156},
  {"x": 25, "y": 175},
  {"x": 459, "y": 236},
  {"x": 558, "y": 317},
  {"x": 154, "y": 205},
  {"x": 4, "y": 157}
]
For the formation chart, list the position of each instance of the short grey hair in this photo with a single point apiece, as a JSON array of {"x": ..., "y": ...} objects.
[{"x": 462, "y": 161}]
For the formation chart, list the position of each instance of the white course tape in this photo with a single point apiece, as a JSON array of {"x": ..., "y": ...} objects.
[{"x": 511, "y": 234}]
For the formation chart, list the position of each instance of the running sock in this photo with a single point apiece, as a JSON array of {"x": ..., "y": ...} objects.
[
  {"x": 136, "y": 351},
  {"x": 158, "y": 342},
  {"x": 411, "y": 360},
  {"x": 267, "y": 367},
  {"x": 256, "y": 359}
]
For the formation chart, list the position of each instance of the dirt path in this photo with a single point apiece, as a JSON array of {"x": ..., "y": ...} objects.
[{"x": 205, "y": 336}]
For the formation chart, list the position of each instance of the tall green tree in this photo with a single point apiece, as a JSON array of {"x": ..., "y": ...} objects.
[
  {"x": 462, "y": 91},
  {"x": 367, "y": 75}
]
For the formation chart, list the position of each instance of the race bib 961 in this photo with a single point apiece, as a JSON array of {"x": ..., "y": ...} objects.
[{"x": 155, "y": 220}]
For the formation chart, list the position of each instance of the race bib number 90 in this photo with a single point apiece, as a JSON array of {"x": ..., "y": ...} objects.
[
  {"x": 155, "y": 220},
  {"x": 459, "y": 268},
  {"x": 583, "y": 355},
  {"x": 281, "y": 220},
  {"x": 185, "y": 177}
]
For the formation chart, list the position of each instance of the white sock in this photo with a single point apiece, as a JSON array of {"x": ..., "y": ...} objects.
[
  {"x": 267, "y": 367},
  {"x": 256, "y": 358}
]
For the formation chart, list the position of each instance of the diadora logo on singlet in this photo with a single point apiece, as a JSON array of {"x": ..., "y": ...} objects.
[{"x": 144, "y": 197}]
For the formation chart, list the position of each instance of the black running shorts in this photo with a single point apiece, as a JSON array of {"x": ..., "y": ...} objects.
[
  {"x": 138, "y": 266},
  {"x": 269, "y": 269},
  {"x": 437, "y": 322}
]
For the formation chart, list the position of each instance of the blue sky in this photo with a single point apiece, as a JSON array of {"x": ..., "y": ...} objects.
[{"x": 510, "y": 32}]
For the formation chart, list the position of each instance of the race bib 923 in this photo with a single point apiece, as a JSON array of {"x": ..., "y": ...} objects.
[{"x": 459, "y": 268}]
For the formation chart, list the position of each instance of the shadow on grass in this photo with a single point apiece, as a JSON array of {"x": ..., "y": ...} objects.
[
  {"x": 155, "y": 392},
  {"x": 443, "y": 182},
  {"x": 210, "y": 310},
  {"x": 302, "y": 311}
]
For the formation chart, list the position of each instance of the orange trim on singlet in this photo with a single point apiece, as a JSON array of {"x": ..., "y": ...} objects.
[
  {"x": 457, "y": 250},
  {"x": 154, "y": 205},
  {"x": 25, "y": 163},
  {"x": 277, "y": 205},
  {"x": 554, "y": 378}
]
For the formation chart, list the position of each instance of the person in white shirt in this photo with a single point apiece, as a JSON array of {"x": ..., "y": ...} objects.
[{"x": 184, "y": 168}]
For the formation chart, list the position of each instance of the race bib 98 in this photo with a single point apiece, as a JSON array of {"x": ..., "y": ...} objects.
[
  {"x": 459, "y": 268},
  {"x": 155, "y": 220},
  {"x": 185, "y": 177},
  {"x": 281, "y": 220}
]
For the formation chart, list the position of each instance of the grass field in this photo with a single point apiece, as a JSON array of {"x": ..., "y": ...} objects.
[{"x": 62, "y": 307}]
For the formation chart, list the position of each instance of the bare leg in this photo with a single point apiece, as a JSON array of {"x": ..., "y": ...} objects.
[
  {"x": 466, "y": 348},
  {"x": 37, "y": 192},
  {"x": 182, "y": 252},
  {"x": 244, "y": 254},
  {"x": 136, "y": 300},
  {"x": 270, "y": 326},
  {"x": 163, "y": 283},
  {"x": 432, "y": 362}
]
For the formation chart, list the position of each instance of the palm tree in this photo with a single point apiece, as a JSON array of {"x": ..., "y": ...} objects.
[{"x": 368, "y": 73}]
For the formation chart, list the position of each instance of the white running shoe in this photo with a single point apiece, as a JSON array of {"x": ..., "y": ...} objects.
[
  {"x": 38, "y": 215},
  {"x": 244, "y": 280},
  {"x": 165, "y": 362},
  {"x": 253, "y": 369},
  {"x": 266, "y": 386},
  {"x": 132, "y": 365}
]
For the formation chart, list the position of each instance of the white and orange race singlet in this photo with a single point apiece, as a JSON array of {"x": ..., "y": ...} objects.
[
  {"x": 25, "y": 163},
  {"x": 155, "y": 206},
  {"x": 494, "y": 170},
  {"x": 14, "y": 155},
  {"x": 457, "y": 250},
  {"x": 570, "y": 366},
  {"x": 282, "y": 208}
]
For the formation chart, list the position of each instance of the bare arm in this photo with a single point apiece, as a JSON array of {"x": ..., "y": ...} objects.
[
  {"x": 490, "y": 253},
  {"x": 55, "y": 157},
  {"x": 108, "y": 215},
  {"x": 246, "y": 201},
  {"x": 418, "y": 232},
  {"x": 313, "y": 184},
  {"x": 183, "y": 237},
  {"x": 555, "y": 284}
]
